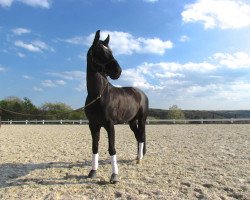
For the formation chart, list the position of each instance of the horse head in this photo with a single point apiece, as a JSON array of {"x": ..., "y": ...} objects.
[{"x": 102, "y": 58}]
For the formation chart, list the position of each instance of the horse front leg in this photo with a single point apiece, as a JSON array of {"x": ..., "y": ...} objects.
[
  {"x": 95, "y": 133},
  {"x": 112, "y": 152}
]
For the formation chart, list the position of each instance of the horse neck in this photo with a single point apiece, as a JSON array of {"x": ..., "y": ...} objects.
[{"x": 95, "y": 82}]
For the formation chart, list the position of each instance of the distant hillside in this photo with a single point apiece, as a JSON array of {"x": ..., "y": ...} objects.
[{"x": 204, "y": 114}]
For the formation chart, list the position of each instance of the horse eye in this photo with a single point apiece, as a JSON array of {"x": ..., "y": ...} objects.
[{"x": 98, "y": 49}]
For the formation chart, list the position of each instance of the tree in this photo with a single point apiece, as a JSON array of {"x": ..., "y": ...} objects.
[
  {"x": 59, "y": 110},
  {"x": 29, "y": 111},
  {"x": 175, "y": 113},
  {"x": 77, "y": 115},
  {"x": 28, "y": 106},
  {"x": 54, "y": 107},
  {"x": 11, "y": 103}
]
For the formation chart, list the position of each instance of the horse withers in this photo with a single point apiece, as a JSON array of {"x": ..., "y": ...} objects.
[{"x": 107, "y": 105}]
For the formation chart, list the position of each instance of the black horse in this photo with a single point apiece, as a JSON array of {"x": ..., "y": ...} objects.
[{"x": 107, "y": 105}]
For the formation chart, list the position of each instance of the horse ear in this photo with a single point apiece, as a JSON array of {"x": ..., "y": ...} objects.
[
  {"x": 97, "y": 37},
  {"x": 106, "y": 41}
]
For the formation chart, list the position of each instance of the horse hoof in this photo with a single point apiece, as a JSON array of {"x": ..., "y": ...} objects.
[
  {"x": 114, "y": 179},
  {"x": 139, "y": 161},
  {"x": 92, "y": 174}
]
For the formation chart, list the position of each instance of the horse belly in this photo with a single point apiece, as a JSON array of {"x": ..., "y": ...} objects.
[{"x": 124, "y": 112}]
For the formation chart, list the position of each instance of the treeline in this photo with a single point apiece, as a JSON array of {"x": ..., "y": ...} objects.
[
  {"x": 14, "y": 108},
  {"x": 29, "y": 111},
  {"x": 60, "y": 110},
  {"x": 201, "y": 114}
]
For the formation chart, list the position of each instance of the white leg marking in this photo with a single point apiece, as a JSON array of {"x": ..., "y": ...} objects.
[
  {"x": 114, "y": 165},
  {"x": 95, "y": 161},
  {"x": 140, "y": 152}
]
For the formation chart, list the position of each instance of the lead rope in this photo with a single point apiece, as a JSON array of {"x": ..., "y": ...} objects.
[
  {"x": 82, "y": 108},
  {"x": 98, "y": 97}
]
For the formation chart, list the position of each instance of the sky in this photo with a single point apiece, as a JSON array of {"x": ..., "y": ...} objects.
[{"x": 191, "y": 53}]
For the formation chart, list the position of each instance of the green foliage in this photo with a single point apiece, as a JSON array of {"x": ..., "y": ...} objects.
[
  {"x": 46, "y": 111},
  {"x": 157, "y": 113},
  {"x": 175, "y": 113},
  {"x": 152, "y": 118},
  {"x": 55, "y": 107},
  {"x": 56, "y": 110},
  {"x": 63, "y": 111},
  {"x": 11, "y": 103},
  {"x": 28, "y": 106},
  {"x": 202, "y": 114},
  {"x": 77, "y": 115}
]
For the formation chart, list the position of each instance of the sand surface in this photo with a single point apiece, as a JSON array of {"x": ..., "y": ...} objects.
[{"x": 182, "y": 162}]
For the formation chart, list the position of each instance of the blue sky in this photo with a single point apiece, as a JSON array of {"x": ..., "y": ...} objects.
[{"x": 193, "y": 53}]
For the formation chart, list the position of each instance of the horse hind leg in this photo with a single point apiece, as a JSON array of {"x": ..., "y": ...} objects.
[
  {"x": 142, "y": 134},
  {"x": 135, "y": 127},
  {"x": 141, "y": 140}
]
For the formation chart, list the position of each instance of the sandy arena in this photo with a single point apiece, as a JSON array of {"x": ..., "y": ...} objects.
[{"x": 182, "y": 162}]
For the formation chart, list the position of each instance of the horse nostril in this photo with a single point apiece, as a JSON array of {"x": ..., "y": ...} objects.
[{"x": 118, "y": 71}]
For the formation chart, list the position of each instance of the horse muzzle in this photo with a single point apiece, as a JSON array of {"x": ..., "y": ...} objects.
[
  {"x": 114, "y": 70},
  {"x": 116, "y": 75}
]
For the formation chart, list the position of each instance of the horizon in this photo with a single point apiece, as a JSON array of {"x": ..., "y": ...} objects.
[
  {"x": 191, "y": 53},
  {"x": 160, "y": 109}
]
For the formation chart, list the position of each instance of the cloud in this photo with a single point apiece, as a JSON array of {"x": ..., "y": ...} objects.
[
  {"x": 69, "y": 75},
  {"x": 154, "y": 45},
  {"x": 27, "y": 46},
  {"x": 161, "y": 67},
  {"x": 120, "y": 42},
  {"x": 60, "y": 82},
  {"x": 82, "y": 56},
  {"x": 2, "y": 69},
  {"x": 125, "y": 43},
  {"x": 37, "y": 3},
  {"x": 157, "y": 76},
  {"x": 233, "y": 91},
  {"x": 6, "y": 3},
  {"x": 218, "y": 78},
  {"x": 21, "y": 55},
  {"x": 81, "y": 87},
  {"x": 78, "y": 40},
  {"x": 78, "y": 76},
  {"x": 184, "y": 38},
  {"x": 151, "y": 1},
  {"x": 27, "y": 77},
  {"x": 234, "y": 61},
  {"x": 42, "y": 45},
  {"x": 33, "y": 3},
  {"x": 219, "y": 61},
  {"x": 168, "y": 75},
  {"x": 35, "y": 46},
  {"x": 20, "y": 31},
  {"x": 136, "y": 79},
  {"x": 224, "y": 14},
  {"x": 50, "y": 83},
  {"x": 37, "y": 89}
]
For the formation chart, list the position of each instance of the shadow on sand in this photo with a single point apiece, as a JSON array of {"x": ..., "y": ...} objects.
[{"x": 12, "y": 174}]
